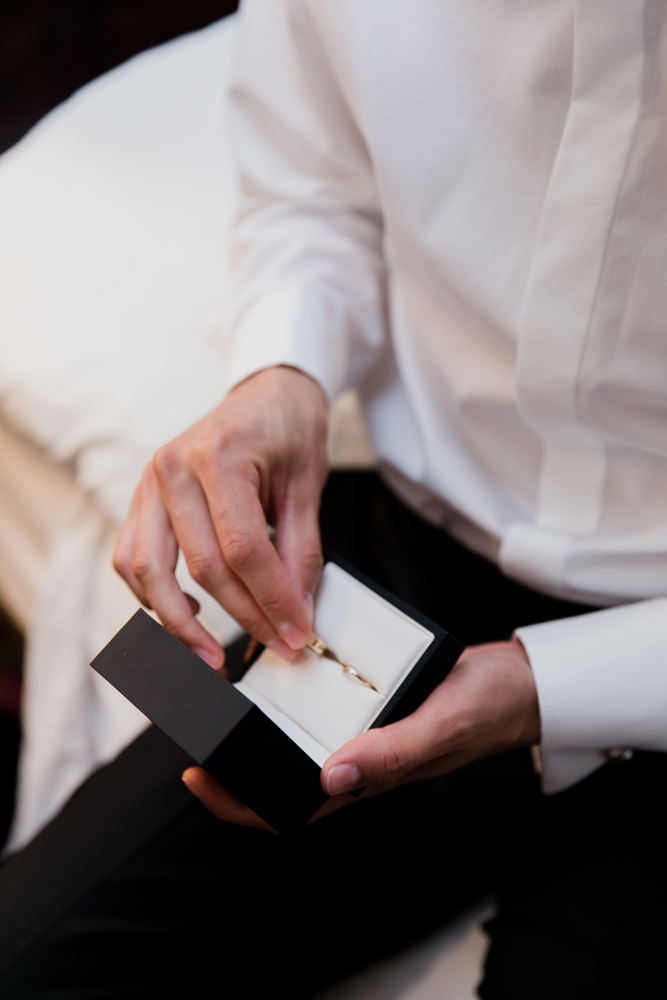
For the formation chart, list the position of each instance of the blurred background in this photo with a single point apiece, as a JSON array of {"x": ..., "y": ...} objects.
[{"x": 48, "y": 49}]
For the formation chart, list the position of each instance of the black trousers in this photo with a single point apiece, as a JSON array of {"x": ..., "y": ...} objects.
[{"x": 134, "y": 890}]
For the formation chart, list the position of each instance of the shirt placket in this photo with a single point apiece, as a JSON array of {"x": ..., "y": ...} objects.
[{"x": 560, "y": 297}]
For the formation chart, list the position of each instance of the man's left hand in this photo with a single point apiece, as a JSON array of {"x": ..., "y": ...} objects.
[{"x": 487, "y": 704}]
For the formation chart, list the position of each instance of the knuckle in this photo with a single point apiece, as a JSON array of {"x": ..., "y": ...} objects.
[
  {"x": 206, "y": 449},
  {"x": 241, "y": 551},
  {"x": 121, "y": 564},
  {"x": 312, "y": 563},
  {"x": 167, "y": 461},
  {"x": 205, "y": 569},
  {"x": 274, "y": 608},
  {"x": 393, "y": 761},
  {"x": 178, "y": 618},
  {"x": 142, "y": 565},
  {"x": 209, "y": 450}
]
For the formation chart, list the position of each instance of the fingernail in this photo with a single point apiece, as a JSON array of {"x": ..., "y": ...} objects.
[
  {"x": 204, "y": 654},
  {"x": 293, "y": 636},
  {"x": 282, "y": 650},
  {"x": 308, "y": 606},
  {"x": 191, "y": 786},
  {"x": 343, "y": 777}
]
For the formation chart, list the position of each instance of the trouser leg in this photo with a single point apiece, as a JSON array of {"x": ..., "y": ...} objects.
[
  {"x": 204, "y": 906},
  {"x": 580, "y": 876},
  {"x": 155, "y": 895},
  {"x": 581, "y": 893}
]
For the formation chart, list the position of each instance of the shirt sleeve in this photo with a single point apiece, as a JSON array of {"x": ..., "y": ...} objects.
[
  {"x": 307, "y": 260},
  {"x": 602, "y": 684}
]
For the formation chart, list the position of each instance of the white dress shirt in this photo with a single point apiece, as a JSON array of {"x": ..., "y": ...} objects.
[{"x": 462, "y": 209}]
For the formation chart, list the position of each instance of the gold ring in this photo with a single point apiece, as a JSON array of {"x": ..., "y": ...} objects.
[{"x": 320, "y": 648}]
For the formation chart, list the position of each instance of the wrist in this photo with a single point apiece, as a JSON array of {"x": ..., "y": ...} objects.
[
  {"x": 528, "y": 701},
  {"x": 285, "y": 375}
]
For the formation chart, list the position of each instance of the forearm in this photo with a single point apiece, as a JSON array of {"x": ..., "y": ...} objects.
[{"x": 309, "y": 273}]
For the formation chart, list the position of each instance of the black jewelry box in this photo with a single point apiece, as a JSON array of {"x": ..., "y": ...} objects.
[{"x": 266, "y": 736}]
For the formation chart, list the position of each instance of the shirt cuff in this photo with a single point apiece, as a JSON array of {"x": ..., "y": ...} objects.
[
  {"x": 288, "y": 326},
  {"x": 602, "y": 683}
]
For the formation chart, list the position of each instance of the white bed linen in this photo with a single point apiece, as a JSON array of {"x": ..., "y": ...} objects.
[
  {"x": 113, "y": 219},
  {"x": 113, "y": 214},
  {"x": 57, "y": 581},
  {"x": 36, "y": 498}
]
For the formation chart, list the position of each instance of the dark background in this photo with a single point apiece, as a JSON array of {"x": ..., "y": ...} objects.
[{"x": 49, "y": 48}]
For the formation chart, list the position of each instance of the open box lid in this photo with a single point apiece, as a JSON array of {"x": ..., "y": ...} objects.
[{"x": 259, "y": 735}]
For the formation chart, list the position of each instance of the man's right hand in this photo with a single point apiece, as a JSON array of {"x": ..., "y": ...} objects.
[{"x": 258, "y": 459}]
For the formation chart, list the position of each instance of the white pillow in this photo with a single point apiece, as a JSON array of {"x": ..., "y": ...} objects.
[
  {"x": 114, "y": 218},
  {"x": 114, "y": 213}
]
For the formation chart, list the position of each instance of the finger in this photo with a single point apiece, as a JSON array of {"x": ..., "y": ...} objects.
[
  {"x": 243, "y": 536},
  {"x": 332, "y": 805},
  {"x": 383, "y": 758},
  {"x": 153, "y": 564},
  {"x": 124, "y": 550},
  {"x": 219, "y": 801},
  {"x": 191, "y": 519},
  {"x": 440, "y": 765},
  {"x": 298, "y": 536},
  {"x": 453, "y": 726},
  {"x": 195, "y": 606}
]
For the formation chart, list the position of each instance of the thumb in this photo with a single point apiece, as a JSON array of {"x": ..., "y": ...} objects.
[{"x": 380, "y": 758}]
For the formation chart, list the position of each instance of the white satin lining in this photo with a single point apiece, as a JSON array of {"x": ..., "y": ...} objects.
[{"x": 314, "y": 701}]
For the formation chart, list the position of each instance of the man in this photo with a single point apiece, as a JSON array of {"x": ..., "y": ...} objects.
[{"x": 458, "y": 208}]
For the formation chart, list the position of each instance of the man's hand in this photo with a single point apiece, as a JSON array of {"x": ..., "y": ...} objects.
[
  {"x": 487, "y": 704},
  {"x": 258, "y": 459},
  {"x": 227, "y": 807}
]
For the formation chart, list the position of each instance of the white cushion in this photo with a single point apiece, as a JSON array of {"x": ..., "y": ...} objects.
[
  {"x": 113, "y": 218},
  {"x": 314, "y": 697},
  {"x": 114, "y": 215}
]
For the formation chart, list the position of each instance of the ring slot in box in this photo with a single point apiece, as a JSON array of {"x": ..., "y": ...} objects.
[{"x": 267, "y": 736}]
